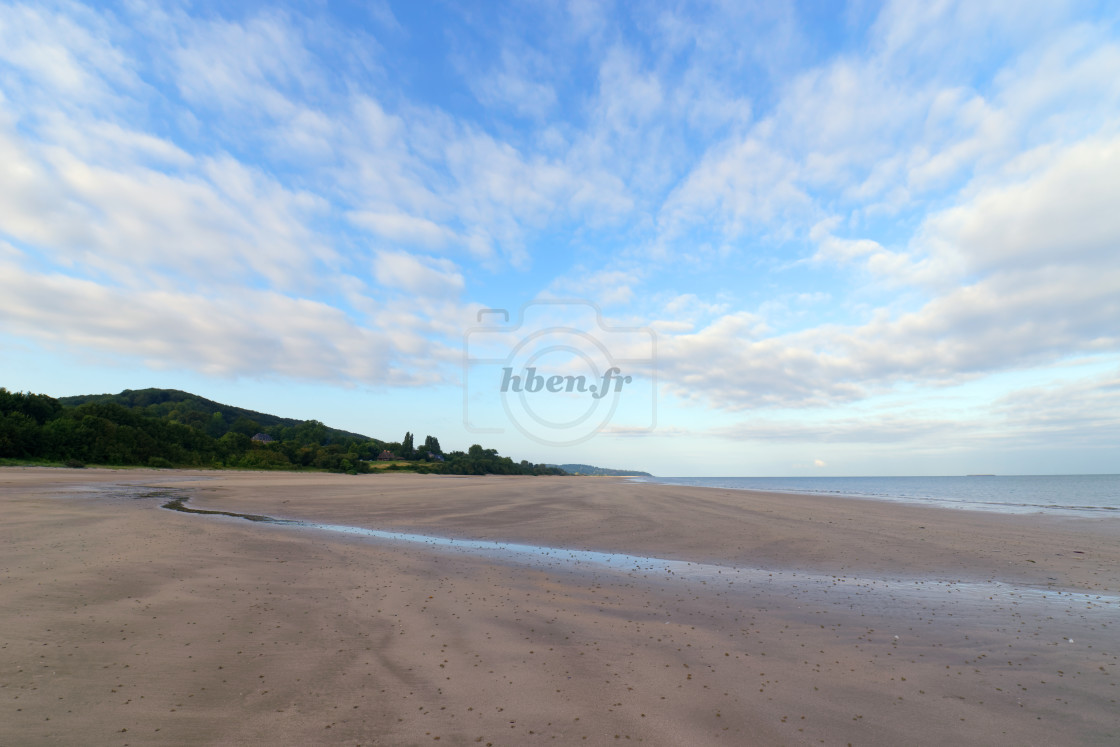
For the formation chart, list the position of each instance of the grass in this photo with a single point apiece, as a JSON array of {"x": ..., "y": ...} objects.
[
  {"x": 385, "y": 465},
  {"x": 13, "y": 462}
]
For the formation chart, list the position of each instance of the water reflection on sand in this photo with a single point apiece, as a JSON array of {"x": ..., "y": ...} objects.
[{"x": 969, "y": 600}]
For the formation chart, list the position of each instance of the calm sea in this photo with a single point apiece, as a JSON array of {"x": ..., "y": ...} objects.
[{"x": 1083, "y": 495}]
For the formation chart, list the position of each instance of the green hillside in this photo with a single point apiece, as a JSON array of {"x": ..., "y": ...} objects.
[
  {"x": 587, "y": 469},
  {"x": 207, "y": 415},
  {"x": 170, "y": 428}
]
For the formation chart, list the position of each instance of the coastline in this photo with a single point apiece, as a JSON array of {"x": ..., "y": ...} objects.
[
  {"x": 759, "y": 529},
  {"x": 123, "y": 615},
  {"x": 1095, "y": 496}
]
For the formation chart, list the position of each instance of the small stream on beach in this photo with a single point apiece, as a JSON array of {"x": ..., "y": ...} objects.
[
  {"x": 1061, "y": 614},
  {"x": 877, "y": 596}
]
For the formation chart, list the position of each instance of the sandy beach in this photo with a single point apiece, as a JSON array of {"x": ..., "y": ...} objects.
[{"x": 742, "y": 617}]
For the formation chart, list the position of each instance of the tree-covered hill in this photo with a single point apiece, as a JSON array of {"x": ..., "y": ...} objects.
[
  {"x": 169, "y": 428},
  {"x": 213, "y": 417},
  {"x": 587, "y": 469}
]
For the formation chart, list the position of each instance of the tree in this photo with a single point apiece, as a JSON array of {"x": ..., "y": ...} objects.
[
  {"x": 38, "y": 407},
  {"x": 20, "y": 435},
  {"x": 310, "y": 432},
  {"x": 233, "y": 443},
  {"x": 264, "y": 459},
  {"x": 406, "y": 446},
  {"x": 245, "y": 427},
  {"x": 216, "y": 425},
  {"x": 431, "y": 445}
]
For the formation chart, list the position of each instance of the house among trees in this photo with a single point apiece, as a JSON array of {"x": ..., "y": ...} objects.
[
  {"x": 386, "y": 456},
  {"x": 263, "y": 438}
]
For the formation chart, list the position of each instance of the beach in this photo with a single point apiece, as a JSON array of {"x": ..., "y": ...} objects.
[{"x": 801, "y": 619}]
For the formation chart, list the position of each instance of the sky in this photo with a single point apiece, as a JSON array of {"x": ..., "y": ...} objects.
[{"x": 821, "y": 238}]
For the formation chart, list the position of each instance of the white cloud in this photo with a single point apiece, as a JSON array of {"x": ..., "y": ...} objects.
[
  {"x": 402, "y": 228},
  {"x": 604, "y": 287},
  {"x": 746, "y": 185},
  {"x": 1063, "y": 214},
  {"x": 1016, "y": 320},
  {"x": 1077, "y": 412},
  {"x": 517, "y": 84},
  {"x": 31, "y": 208},
  {"x": 1048, "y": 287},
  {"x": 244, "y": 66},
  {"x": 689, "y": 307},
  {"x": 257, "y": 334},
  {"x": 1081, "y": 411},
  {"x": 68, "y": 58},
  {"x": 422, "y": 276},
  {"x": 111, "y": 144},
  {"x": 445, "y": 184},
  {"x": 217, "y": 222},
  {"x": 882, "y": 130}
]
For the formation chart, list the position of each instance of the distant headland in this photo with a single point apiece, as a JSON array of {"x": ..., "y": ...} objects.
[{"x": 587, "y": 469}]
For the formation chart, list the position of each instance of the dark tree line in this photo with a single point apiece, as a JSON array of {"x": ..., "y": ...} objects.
[{"x": 166, "y": 433}]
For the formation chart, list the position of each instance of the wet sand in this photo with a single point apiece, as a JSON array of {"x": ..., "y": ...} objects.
[{"x": 803, "y": 619}]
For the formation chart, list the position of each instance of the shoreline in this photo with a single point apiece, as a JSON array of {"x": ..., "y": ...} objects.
[
  {"x": 941, "y": 501},
  {"x": 747, "y": 528},
  {"x": 742, "y": 527},
  {"x": 130, "y": 623}
]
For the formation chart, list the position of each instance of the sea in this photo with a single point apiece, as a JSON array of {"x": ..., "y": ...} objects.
[{"x": 1070, "y": 495}]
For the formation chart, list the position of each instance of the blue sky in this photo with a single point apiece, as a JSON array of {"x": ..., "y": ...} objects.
[{"x": 867, "y": 238}]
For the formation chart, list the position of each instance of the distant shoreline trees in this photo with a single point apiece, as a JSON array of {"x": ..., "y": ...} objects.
[{"x": 167, "y": 428}]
